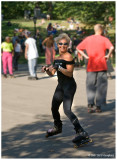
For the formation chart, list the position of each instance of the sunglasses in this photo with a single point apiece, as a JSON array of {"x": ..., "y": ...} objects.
[{"x": 65, "y": 44}]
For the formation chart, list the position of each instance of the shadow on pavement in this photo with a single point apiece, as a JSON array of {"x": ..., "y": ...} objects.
[
  {"x": 28, "y": 141},
  {"x": 101, "y": 128}
]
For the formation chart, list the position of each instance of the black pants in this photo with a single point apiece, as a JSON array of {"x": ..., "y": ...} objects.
[
  {"x": 64, "y": 93},
  {"x": 15, "y": 60}
]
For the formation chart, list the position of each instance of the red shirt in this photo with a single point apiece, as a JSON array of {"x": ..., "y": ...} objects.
[{"x": 95, "y": 47}]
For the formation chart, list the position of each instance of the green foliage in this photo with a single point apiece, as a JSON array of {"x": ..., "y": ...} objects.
[
  {"x": 86, "y": 11},
  {"x": 15, "y": 9}
]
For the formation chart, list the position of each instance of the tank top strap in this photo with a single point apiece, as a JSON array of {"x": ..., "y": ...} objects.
[{"x": 70, "y": 62}]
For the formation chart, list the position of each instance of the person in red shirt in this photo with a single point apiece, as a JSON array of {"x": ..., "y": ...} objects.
[{"x": 96, "y": 83}]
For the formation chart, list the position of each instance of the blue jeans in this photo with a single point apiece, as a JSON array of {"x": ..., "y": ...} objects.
[{"x": 32, "y": 64}]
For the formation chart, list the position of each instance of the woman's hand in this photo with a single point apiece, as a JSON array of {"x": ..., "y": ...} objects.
[
  {"x": 51, "y": 68},
  {"x": 43, "y": 69}
]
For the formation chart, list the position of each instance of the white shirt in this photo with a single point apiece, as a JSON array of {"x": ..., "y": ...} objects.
[
  {"x": 71, "y": 26},
  {"x": 32, "y": 48},
  {"x": 18, "y": 48}
]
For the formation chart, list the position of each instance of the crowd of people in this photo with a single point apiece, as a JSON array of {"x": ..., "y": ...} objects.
[{"x": 46, "y": 45}]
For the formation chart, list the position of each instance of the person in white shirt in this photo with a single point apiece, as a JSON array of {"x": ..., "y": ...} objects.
[
  {"x": 31, "y": 54},
  {"x": 71, "y": 26},
  {"x": 17, "y": 50}
]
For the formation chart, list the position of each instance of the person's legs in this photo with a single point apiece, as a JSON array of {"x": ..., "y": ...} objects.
[
  {"x": 48, "y": 56},
  {"x": 101, "y": 90},
  {"x": 54, "y": 52},
  {"x": 81, "y": 135},
  {"x": 32, "y": 67},
  {"x": 16, "y": 60},
  {"x": 51, "y": 55},
  {"x": 10, "y": 67},
  {"x": 91, "y": 82},
  {"x": 69, "y": 91},
  {"x": 56, "y": 101},
  {"x": 4, "y": 60}
]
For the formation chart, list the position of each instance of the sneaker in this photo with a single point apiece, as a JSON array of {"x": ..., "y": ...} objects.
[
  {"x": 32, "y": 78},
  {"x": 4, "y": 76},
  {"x": 109, "y": 77},
  {"x": 98, "y": 109},
  {"x": 90, "y": 108},
  {"x": 36, "y": 78},
  {"x": 12, "y": 76}
]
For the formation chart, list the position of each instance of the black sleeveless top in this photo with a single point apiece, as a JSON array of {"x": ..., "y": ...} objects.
[{"x": 61, "y": 62}]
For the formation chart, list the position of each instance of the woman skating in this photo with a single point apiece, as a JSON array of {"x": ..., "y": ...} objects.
[{"x": 65, "y": 90}]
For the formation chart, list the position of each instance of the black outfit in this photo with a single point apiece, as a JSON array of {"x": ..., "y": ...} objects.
[{"x": 64, "y": 92}]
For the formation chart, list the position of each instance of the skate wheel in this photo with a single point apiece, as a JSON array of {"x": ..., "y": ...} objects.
[
  {"x": 90, "y": 140},
  {"x": 46, "y": 136},
  {"x": 75, "y": 146},
  {"x": 78, "y": 146},
  {"x": 82, "y": 143}
]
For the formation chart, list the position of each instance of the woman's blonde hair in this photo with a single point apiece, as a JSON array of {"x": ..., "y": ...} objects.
[{"x": 62, "y": 36}]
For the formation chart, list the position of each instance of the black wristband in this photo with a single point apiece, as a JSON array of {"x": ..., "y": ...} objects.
[
  {"x": 55, "y": 67},
  {"x": 45, "y": 69}
]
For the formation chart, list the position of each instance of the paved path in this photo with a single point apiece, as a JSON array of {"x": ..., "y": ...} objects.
[{"x": 26, "y": 116}]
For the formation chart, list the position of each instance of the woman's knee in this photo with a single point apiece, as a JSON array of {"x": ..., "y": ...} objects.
[{"x": 67, "y": 112}]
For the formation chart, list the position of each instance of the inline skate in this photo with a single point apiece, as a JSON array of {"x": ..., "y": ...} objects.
[{"x": 81, "y": 139}]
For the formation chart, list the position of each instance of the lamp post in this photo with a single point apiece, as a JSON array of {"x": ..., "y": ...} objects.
[{"x": 35, "y": 20}]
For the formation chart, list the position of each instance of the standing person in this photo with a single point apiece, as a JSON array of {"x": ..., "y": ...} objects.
[
  {"x": 31, "y": 54},
  {"x": 75, "y": 43},
  {"x": 14, "y": 38},
  {"x": 40, "y": 43},
  {"x": 7, "y": 54},
  {"x": 65, "y": 90},
  {"x": 48, "y": 17},
  {"x": 109, "y": 65},
  {"x": 17, "y": 50},
  {"x": 110, "y": 68},
  {"x": 70, "y": 45},
  {"x": 49, "y": 51},
  {"x": 22, "y": 41},
  {"x": 49, "y": 28},
  {"x": 96, "y": 83}
]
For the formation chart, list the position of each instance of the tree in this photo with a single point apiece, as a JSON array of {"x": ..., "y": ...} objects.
[{"x": 85, "y": 11}]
